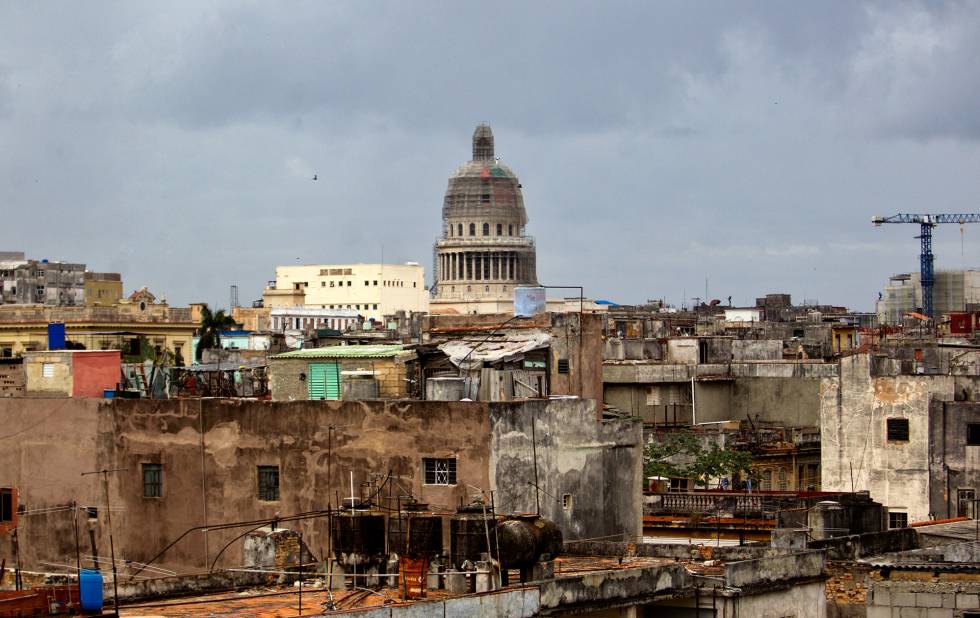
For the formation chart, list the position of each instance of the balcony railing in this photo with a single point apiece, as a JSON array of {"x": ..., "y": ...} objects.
[{"x": 485, "y": 241}]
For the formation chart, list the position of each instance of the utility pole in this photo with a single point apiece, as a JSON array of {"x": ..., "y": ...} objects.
[{"x": 108, "y": 514}]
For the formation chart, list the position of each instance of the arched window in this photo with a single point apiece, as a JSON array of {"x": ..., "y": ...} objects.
[
  {"x": 450, "y": 230},
  {"x": 459, "y": 231},
  {"x": 510, "y": 230},
  {"x": 783, "y": 484},
  {"x": 500, "y": 229},
  {"x": 766, "y": 481},
  {"x": 472, "y": 229},
  {"x": 486, "y": 229}
]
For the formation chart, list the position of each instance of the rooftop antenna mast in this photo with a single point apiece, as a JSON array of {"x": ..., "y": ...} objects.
[{"x": 233, "y": 301}]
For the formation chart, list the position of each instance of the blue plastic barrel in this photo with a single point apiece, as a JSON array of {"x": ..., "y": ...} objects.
[
  {"x": 90, "y": 590},
  {"x": 109, "y": 393}
]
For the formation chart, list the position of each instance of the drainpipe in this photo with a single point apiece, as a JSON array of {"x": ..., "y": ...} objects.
[{"x": 694, "y": 413}]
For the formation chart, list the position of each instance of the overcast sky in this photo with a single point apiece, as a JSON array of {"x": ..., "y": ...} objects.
[{"x": 659, "y": 144}]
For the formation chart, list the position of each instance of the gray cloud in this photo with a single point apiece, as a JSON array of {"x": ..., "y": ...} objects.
[{"x": 658, "y": 144}]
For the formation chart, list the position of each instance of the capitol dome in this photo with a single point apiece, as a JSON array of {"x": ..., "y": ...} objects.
[{"x": 483, "y": 251}]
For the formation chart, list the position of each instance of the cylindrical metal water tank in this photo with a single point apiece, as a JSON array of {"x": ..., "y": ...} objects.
[
  {"x": 358, "y": 537},
  {"x": 469, "y": 530},
  {"x": 415, "y": 531},
  {"x": 523, "y": 540}
]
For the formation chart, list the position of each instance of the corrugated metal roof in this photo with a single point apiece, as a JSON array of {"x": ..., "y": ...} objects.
[{"x": 346, "y": 351}]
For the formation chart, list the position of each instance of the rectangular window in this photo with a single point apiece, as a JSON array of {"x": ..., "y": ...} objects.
[
  {"x": 964, "y": 502},
  {"x": 898, "y": 520},
  {"x": 375, "y": 284},
  {"x": 6, "y": 505},
  {"x": 47, "y": 370},
  {"x": 375, "y": 306},
  {"x": 152, "y": 480},
  {"x": 269, "y": 483},
  {"x": 897, "y": 429},
  {"x": 439, "y": 471},
  {"x": 973, "y": 434}
]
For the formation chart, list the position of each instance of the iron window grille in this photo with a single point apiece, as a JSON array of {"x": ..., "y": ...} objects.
[
  {"x": 898, "y": 520},
  {"x": 152, "y": 480},
  {"x": 269, "y": 483},
  {"x": 439, "y": 471}
]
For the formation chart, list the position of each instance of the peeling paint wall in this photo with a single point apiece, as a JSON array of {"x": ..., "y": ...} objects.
[
  {"x": 596, "y": 465},
  {"x": 49, "y": 442},
  {"x": 954, "y": 463},
  {"x": 854, "y": 445}
]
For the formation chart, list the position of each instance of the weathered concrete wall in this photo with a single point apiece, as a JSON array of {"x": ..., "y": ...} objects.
[
  {"x": 603, "y": 586},
  {"x": 790, "y": 401},
  {"x": 802, "y": 600},
  {"x": 581, "y": 345},
  {"x": 853, "y": 440},
  {"x": 757, "y": 350},
  {"x": 682, "y": 350},
  {"x": 598, "y": 465},
  {"x": 925, "y": 599},
  {"x": 794, "y": 402},
  {"x": 774, "y": 569},
  {"x": 59, "y": 384},
  {"x": 954, "y": 465},
  {"x": 46, "y": 445},
  {"x": 855, "y": 546},
  {"x": 626, "y": 372},
  {"x": 52, "y": 441}
]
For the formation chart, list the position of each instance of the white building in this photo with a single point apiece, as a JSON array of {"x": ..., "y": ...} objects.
[
  {"x": 745, "y": 314},
  {"x": 284, "y": 319},
  {"x": 370, "y": 290}
]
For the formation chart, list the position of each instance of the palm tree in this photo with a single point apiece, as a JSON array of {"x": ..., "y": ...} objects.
[{"x": 211, "y": 325}]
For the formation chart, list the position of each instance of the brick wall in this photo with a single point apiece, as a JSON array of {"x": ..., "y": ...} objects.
[{"x": 923, "y": 599}]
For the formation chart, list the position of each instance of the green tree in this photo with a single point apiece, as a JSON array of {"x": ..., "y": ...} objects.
[
  {"x": 683, "y": 455},
  {"x": 209, "y": 331}
]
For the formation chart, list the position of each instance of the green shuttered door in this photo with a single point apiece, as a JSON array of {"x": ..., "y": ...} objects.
[{"x": 323, "y": 381}]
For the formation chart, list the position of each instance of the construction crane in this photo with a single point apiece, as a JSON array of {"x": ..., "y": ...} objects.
[{"x": 926, "y": 223}]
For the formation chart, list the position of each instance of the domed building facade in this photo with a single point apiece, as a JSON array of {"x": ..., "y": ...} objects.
[{"x": 483, "y": 252}]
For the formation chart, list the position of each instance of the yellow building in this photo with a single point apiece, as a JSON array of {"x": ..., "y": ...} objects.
[
  {"x": 129, "y": 325},
  {"x": 373, "y": 290},
  {"x": 103, "y": 289},
  {"x": 252, "y": 318}
]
